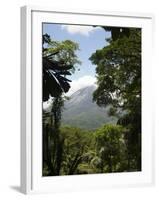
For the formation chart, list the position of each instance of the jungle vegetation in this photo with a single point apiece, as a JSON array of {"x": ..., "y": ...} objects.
[{"x": 69, "y": 150}]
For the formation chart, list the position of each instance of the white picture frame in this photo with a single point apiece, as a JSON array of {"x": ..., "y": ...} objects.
[{"x": 31, "y": 112}]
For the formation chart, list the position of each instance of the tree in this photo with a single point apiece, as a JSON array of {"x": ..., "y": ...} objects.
[
  {"x": 110, "y": 148},
  {"x": 79, "y": 151},
  {"x": 119, "y": 84},
  {"x": 59, "y": 61},
  {"x": 76, "y": 144}
]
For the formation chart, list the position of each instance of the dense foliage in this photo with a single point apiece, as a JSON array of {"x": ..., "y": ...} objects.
[
  {"x": 59, "y": 60},
  {"x": 113, "y": 147},
  {"x": 87, "y": 152},
  {"x": 119, "y": 84}
]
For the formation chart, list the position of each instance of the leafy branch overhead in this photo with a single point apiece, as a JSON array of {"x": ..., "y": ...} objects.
[
  {"x": 59, "y": 61},
  {"x": 119, "y": 71}
]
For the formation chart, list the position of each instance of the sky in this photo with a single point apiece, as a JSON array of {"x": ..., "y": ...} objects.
[{"x": 89, "y": 39}]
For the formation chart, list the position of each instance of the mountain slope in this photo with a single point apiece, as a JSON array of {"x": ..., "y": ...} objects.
[{"x": 82, "y": 112}]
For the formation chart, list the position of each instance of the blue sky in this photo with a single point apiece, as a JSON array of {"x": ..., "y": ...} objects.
[{"x": 89, "y": 39}]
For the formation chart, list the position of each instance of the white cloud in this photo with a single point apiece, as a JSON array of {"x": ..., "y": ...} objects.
[
  {"x": 76, "y": 29},
  {"x": 81, "y": 83}
]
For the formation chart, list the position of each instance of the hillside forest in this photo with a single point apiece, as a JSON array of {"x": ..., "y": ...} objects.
[{"x": 107, "y": 139}]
